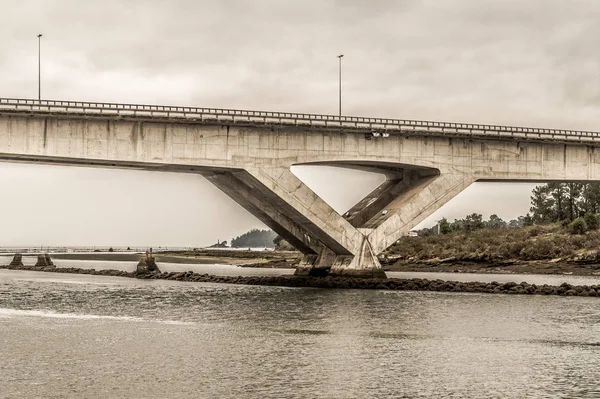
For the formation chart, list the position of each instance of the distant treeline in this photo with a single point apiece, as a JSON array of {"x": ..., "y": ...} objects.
[
  {"x": 558, "y": 202},
  {"x": 474, "y": 222},
  {"x": 255, "y": 238},
  {"x": 573, "y": 205}
]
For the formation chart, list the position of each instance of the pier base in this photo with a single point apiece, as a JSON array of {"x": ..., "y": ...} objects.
[
  {"x": 44, "y": 260},
  {"x": 327, "y": 263},
  {"x": 17, "y": 260},
  {"x": 147, "y": 264}
]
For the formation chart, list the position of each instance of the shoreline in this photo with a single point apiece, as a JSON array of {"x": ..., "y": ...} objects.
[
  {"x": 290, "y": 259},
  {"x": 392, "y": 284},
  {"x": 575, "y": 268},
  {"x": 243, "y": 258}
]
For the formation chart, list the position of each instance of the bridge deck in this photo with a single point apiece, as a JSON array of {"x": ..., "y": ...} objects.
[{"x": 375, "y": 126}]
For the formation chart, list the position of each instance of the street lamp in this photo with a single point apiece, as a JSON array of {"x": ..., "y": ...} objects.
[
  {"x": 340, "y": 86},
  {"x": 39, "y": 67}
]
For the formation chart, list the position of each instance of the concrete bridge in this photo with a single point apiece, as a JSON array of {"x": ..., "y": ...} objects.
[{"x": 248, "y": 155}]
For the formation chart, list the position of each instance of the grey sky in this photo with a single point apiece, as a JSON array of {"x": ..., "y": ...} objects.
[{"x": 507, "y": 62}]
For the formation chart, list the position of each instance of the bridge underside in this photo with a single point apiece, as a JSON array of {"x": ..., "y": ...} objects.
[{"x": 251, "y": 164}]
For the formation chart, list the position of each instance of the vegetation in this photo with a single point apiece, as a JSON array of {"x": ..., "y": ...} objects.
[
  {"x": 254, "y": 239},
  {"x": 541, "y": 242},
  {"x": 219, "y": 244},
  {"x": 282, "y": 245},
  {"x": 563, "y": 222},
  {"x": 474, "y": 222},
  {"x": 556, "y": 202}
]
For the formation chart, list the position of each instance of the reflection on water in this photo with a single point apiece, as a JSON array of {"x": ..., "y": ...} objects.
[
  {"x": 539, "y": 279},
  {"x": 92, "y": 336}
]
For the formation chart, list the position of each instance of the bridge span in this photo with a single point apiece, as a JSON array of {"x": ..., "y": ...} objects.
[{"x": 248, "y": 155}]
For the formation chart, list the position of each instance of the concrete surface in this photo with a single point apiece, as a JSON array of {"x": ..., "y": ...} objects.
[{"x": 252, "y": 166}]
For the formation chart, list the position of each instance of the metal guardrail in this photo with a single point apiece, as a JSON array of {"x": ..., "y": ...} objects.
[{"x": 375, "y": 126}]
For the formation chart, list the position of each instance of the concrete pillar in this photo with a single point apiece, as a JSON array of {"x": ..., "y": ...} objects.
[
  {"x": 414, "y": 205},
  {"x": 147, "y": 264},
  {"x": 17, "y": 260},
  {"x": 333, "y": 244},
  {"x": 44, "y": 260},
  {"x": 340, "y": 243},
  {"x": 253, "y": 196}
]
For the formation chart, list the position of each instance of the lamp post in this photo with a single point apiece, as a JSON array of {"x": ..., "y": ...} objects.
[
  {"x": 340, "y": 86},
  {"x": 40, "y": 67}
]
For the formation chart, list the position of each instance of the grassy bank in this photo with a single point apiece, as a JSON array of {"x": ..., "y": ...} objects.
[{"x": 534, "y": 249}]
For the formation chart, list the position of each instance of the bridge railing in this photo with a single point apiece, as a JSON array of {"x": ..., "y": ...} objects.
[{"x": 375, "y": 126}]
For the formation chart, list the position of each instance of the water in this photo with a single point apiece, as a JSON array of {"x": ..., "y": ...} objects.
[{"x": 74, "y": 336}]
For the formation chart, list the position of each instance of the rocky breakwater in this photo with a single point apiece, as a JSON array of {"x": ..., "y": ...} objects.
[{"x": 394, "y": 284}]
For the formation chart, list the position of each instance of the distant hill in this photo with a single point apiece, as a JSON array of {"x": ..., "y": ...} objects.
[{"x": 255, "y": 238}]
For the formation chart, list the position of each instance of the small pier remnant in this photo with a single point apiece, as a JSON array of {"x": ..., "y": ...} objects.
[
  {"x": 17, "y": 260},
  {"x": 44, "y": 260},
  {"x": 147, "y": 264}
]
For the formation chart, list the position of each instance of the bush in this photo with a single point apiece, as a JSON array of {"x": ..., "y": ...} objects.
[
  {"x": 578, "y": 226},
  {"x": 539, "y": 249},
  {"x": 591, "y": 220}
]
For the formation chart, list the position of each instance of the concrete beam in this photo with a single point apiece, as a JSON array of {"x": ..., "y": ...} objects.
[
  {"x": 381, "y": 203},
  {"x": 247, "y": 192},
  {"x": 317, "y": 216},
  {"x": 425, "y": 196}
]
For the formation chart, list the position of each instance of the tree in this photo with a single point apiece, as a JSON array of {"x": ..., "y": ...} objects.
[
  {"x": 515, "y": 223},
  {"x": 590, "y": 198},
  {"x": 495, "y": 222},
  {"x": 444, "y": 226},
  {"x": 591, "y": 220},
  {"x": 473, "y": 221},
  {"x": 254, "y": 239},
  {"x": 573, "y": 193},
  {"x": 542, "y": 205},
  {"x": 557, "y": 202},
  {"x": 526, "y": 220},
  {"x": 558, "y": 193}
]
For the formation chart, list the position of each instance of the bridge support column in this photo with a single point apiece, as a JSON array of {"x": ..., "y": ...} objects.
[
  {"x": 17, "y": 260},
  {"x": 344, "y": 248},
  {"x": 421, "y": 199},
  {"x": 284, "y": 203},
  {"x": 363, "y": 264},
  {"x": 332, "y": 244}
]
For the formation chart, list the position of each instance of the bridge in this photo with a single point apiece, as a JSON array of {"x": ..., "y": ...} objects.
[{"x": 248, "y": 155}]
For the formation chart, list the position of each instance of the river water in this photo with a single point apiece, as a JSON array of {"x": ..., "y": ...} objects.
[{"x": 82, "y": 336}]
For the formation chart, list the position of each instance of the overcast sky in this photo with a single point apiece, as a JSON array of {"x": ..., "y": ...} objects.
[{"x": 531, "y": 63}]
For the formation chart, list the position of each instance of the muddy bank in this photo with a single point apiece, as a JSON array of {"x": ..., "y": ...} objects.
[
  {"x": 344, "y": 283},
  {"x": 272, "y": 264},
  {"x": 244, "y": 258},
  {"x": 577, "y": 268},
  {"x": 290, "y": 259},
  {"x": 127, "y": 257},
  {"x": 188, "y": 257}
]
